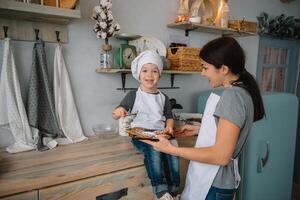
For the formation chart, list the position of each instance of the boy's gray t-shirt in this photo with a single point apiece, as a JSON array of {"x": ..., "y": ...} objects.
[{"x": 235, "y": 105}]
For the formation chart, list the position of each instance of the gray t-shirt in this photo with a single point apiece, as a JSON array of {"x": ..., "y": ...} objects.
[
  {"x": 235, "y": 105},
  {"x": 129, "y": 99}
]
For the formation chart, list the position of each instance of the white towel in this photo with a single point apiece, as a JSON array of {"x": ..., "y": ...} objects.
[
  {"x": 64, "y": 102},
  {"x": 12, "y": 110}
]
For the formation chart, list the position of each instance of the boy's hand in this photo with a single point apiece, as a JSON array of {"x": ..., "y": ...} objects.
[
  {"x": 169, "y": 129},
  {"x": 119, "y": 112}
]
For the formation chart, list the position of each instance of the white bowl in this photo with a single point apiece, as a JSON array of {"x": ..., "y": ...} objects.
[
  {"x": 105, "y": 129},
  {"x": 195, "y": 20}
]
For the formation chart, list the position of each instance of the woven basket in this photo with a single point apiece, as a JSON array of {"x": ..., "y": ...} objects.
[
  {"x": 184, "y": 58},
  {"x": 241, "y": 25}
]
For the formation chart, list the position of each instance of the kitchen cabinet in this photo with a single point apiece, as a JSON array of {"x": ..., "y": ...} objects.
[
  {"x": 86, "y": 170},
  {"x": 133, "y": 181}
]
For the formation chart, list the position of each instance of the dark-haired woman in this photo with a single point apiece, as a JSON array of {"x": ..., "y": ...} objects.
[{"x": 227, "y": 120}]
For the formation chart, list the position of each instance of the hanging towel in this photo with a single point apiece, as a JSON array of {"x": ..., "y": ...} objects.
[
  {"x": 65, "y": 107},
  {"x": 12, "y": 110},
  {"x": 40, "y": 101}
]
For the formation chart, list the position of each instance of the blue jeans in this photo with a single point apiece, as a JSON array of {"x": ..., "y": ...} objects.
[
  {"x": 155, "y": 162},
  {"x": 220, "y": 194}
]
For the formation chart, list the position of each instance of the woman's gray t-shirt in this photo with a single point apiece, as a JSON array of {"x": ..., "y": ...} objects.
[{"x": 235, "y": 105}]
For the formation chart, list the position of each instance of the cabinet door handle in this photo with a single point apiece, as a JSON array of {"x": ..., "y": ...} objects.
[
  {"x": 263, "y": 161},
  {"x": 114, "y": 195}
]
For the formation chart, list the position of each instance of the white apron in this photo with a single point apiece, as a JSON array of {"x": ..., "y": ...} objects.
[
  {"x": 200, "y": 176},
  {"x": 149, "y": 109}
]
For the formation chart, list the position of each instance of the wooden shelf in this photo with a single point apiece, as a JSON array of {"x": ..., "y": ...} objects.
[
  {"x": 128, "y": 71},
  {"x": 188, "y": 26},
  {"x": 34, "y": 12},
  {"x": 123, "y": 73}
]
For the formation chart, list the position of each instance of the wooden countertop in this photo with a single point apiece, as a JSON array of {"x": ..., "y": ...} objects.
[{"x": 35, "y": 170}]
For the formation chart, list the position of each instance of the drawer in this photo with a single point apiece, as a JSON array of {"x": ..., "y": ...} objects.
[
  {"x": 33, "y": 195},
  {"x": 133, "y": 181}
]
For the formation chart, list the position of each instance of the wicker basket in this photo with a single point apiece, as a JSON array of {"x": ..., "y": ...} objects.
[
  {"x": 241, "y": 25},
  {"x": 184, "y": 58}
]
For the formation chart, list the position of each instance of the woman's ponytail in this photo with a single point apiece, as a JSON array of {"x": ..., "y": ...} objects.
[{"x": 249, "y": 83}]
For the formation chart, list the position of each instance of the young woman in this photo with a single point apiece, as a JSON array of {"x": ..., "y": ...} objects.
[{"x": 227, "y": 121}]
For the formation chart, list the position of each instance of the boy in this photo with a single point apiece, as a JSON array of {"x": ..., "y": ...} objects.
[{"x": 153, "y": 112}]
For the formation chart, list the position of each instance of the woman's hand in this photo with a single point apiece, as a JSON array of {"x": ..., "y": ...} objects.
[
  {"x": 186, "y": 130},
  {"x": 119, "y": 112},
  {"x": 163, "y": 145}
]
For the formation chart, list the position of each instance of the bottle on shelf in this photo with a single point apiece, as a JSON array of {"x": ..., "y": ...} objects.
[
  {"x": 183, "y": 11},
  {"x": 224, "y": 14}
]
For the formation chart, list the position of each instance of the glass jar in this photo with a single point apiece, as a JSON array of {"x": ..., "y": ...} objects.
[{"x": 106, "y": 57}]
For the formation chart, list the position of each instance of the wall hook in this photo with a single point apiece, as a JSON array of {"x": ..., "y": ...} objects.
[
  {"x": 5, "y": 28},
  {"x": 37, "y": 34},
  {"x": 57, "y": 36}
]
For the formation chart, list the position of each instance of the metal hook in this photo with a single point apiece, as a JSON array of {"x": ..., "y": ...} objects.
[
  {"x": 57, "y": 36},
  {"x": 37, "y": 34},
  {"x": 5, "y": 28}
]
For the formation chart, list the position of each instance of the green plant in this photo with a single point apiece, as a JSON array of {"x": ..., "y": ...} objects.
[{"x": 279, "y": 26}]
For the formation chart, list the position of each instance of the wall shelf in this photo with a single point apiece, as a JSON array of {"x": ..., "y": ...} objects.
[
  {"x": 23, "y": 19},
  {"x": 189, "y": 26},
  {"x": 123, "y": 73},
  {"x": 34, "y": 12},
  {"x": 128, "y": 71}
]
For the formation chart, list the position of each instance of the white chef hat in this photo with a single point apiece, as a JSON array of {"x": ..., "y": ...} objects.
[{"x": 145, "y": 57}]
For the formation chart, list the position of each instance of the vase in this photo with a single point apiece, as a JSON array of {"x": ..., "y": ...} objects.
[{"x": 106, "y": 56}]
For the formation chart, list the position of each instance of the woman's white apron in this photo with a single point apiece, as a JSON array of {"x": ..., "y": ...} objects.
[{"x": 200, "y": 176}]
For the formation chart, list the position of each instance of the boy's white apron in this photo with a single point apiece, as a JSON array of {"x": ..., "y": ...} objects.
[
  {"x": 200, "y": 176},
  {"x": 149, "y": 108}
]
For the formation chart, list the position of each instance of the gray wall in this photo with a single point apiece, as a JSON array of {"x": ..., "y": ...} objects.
[{"x": 96, "y": 94}]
